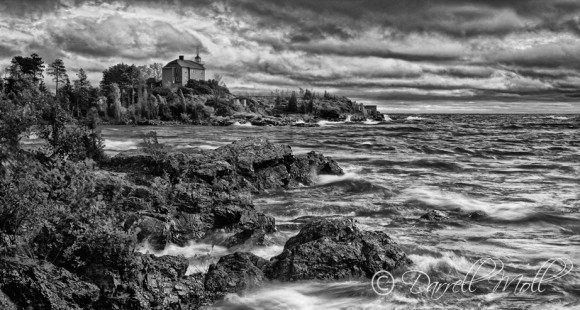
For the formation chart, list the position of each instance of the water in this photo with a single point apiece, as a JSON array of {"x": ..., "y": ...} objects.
[{"x": 523, "y": 171}]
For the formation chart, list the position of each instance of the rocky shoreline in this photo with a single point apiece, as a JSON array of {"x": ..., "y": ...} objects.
[{"x": 175, "y": 198}]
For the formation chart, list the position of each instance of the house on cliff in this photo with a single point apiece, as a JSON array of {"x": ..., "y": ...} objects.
[{"x": 180, "y": 71}]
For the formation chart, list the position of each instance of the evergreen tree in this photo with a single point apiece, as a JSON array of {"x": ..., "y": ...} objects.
[
  {"x": 310, "y": 108},
  {"x": 293, "y": 103},
  {"x": 81, "y": 93},
  {"x": 58, "y": 72}
]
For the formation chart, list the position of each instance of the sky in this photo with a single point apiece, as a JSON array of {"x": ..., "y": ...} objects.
[{"x": 404, "y": 55}]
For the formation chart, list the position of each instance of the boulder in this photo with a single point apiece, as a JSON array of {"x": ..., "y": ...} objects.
[
  {"x": 247, "y": 238},
  {"x": 237, "y": 218},
  {"x": 149, "y": 282},
  {"x": 28, "y": 284},
  {"x": 235, "y": 273},
  {"x": 435, "y": 216},
  {"x": 306, "y": 167},
  {"x": 336, "y": 249},
  {"x": 477, "y": 215}
]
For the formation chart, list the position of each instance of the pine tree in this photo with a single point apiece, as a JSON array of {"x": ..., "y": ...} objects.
[
  {"x": 82, "y": 87},
  {"x": 58, "y": 72},
  {"x": 293, "y": 103}
]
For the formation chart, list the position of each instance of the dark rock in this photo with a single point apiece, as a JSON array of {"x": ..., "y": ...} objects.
[
  {"x": 6, "y": 303},
  {"x": 435, "y": 216},
  {"x": 336, "y": 249},
  {"x": 186, "y": 227},
  {"x": 306, "y": 167},
  {"x": 247, "y": 238},
  {"x": 236, "y": 217},
  {"x": 151, "y": 228},
  {"x": 235, "y": 273},
  {"x": 148, "y": 282},
  {"x": 29, "y": 284},
  {"x": 477, "y": 215}
]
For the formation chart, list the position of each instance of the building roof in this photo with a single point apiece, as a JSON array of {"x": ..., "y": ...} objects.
[{"x": 185, "y": 64}]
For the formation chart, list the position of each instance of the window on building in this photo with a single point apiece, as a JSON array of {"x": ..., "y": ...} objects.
[{"x": 176, "y": 75}]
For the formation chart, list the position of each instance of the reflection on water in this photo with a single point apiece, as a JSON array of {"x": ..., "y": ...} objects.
[{"x": 522, "y": 171}]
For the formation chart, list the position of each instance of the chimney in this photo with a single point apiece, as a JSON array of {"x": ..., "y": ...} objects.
[{"x": 181, "y": 57}]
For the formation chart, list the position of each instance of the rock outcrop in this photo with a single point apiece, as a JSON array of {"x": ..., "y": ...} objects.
[
  {"x": 178, "y": 197},
  {"x": 211, "y": 188},
  {"x": 435, "y": 216},
  {"x": 149, "y": 282},
  {"x": 336, "y": 249},
  {"x": 28, "y": 284},
  {"x": 235, "y": 273}
]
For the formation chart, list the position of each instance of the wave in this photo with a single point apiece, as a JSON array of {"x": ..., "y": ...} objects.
[
  {"x": 310, "y": 295},
  {"x": 347, "y": 120},
  {"x": 453, "y": 201},
  {"x": 300, "y": 121},
  {"x": 324, "y": 179},
  {"x": 554, "y": 117},
  {"x": 247, "y": 124},
  {"x": 387, "y": 118},
  {"x": 328, "y": 123},
  {"x": 436, "y": 164},
  {"x": 370, "y": 122},
  {"x": 201, "y": 255},
  {"x": 416, "y": 118},
  {"x": 445, "y": 264},
  {"x": 120, "y": 145}
]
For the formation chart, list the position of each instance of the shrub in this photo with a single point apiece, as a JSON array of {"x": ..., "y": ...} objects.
[
  {"x": 14, "y": 122},
  {"x": 161, "y": 91},
  {"x": 200, "y": 87}
]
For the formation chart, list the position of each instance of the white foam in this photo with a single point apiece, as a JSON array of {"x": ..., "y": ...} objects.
[
  {"x": 268, "y": 252},
  {"x": 201, "y": 255},
  {"x": 247, "y": 124},
  {"x": 327, "y": 179},
  {"x": 387, "y": 118},
  {"x": 370, "y": 122},
  {"x": 328, "y": 123},
  {"x": 193, "y": 249},
  {"x": 300, "y": 121},
  {"x": 299, "y": 296},
  {"x": 120, "y": 145},
  {"x": 415, "y": 118},
  {"x": 557, "y": 117},
  {"x": 347, "y": 120},
  {"x": 452, "y": 201}
]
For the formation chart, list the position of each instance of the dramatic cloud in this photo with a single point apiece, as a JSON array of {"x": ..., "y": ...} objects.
[{"x": 373, "y": 50}]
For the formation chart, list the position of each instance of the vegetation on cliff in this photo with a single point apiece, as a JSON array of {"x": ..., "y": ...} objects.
[{"x": 129, "y": 94}]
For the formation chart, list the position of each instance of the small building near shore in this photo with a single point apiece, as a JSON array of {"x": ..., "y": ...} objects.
[
  {"x": 370, "y": 108},
  {"x": 180, "y": 71}
]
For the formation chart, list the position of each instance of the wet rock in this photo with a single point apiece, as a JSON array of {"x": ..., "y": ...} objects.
[
  {"x": 336, "y": 249},
  {"x": 151, "y": 228},
  {"x": 149, "y": 282},
  {"x": 240, "y": 218},
  {"x": 435, "y": 216},
  {"x": 6, "y": 303},
  {"x": 306, "y": 167},
  {"x": 476, "y": 215},
  {"x": 247, "y": 238},
  {"x": 29, "y": 284},
  {"x": 235, "y": 273}
]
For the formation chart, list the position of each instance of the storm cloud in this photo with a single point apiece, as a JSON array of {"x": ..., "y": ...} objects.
[{"x": 369, "y": 49}]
